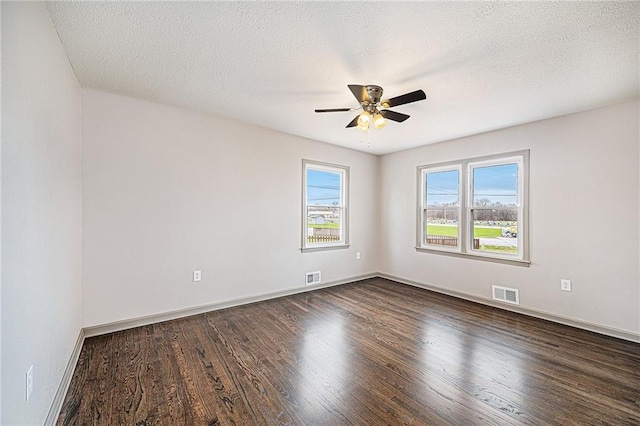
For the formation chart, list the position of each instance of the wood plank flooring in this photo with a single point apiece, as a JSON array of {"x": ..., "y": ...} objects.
[{"x": 373, "y": 352}]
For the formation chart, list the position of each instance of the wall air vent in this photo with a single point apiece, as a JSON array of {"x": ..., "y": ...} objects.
[
  {"x": 313, "y": 278},
  {"x": 505, "y": 294}
]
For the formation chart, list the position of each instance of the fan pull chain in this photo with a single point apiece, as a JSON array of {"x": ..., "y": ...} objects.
[{"x": 362, "y": 137}]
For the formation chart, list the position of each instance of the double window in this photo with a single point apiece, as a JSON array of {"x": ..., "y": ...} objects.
[
  {"x": 476, "y": 207},
  {"x": 325, "y": 211}
]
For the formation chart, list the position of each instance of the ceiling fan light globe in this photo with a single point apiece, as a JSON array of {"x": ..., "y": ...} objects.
[
  {"x": 379, "y": 122},
  {"x": 364, "y": 119}
]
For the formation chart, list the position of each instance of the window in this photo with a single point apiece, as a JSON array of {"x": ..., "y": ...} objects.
[
  {"x": 476, "y": 207},
  {"x": 325, "y": 212}
]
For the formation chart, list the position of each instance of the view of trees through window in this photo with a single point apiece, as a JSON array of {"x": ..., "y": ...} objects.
[{"x": 495, "y": 208}]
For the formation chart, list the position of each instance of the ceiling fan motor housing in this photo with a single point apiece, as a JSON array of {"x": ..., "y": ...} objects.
[{"x": 375, "y": 93}]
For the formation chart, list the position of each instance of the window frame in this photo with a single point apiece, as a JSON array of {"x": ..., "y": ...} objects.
[
  {"x": 344, "y": 206},
  {"x": 465, "y": 219}
]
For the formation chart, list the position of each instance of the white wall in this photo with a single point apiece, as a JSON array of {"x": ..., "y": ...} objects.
[
  {"x": 41, "y": 211},
  {"x": 584, "y": 217},
  {"x": 167, "y": 191}
]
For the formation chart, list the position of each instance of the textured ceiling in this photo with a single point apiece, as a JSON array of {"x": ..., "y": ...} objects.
[{"x": 483, "y": 65}]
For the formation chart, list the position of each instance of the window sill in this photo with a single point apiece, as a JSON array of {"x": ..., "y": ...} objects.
[
  {"x": 323, "y": 248},
  {"x": 515, "y": 262}
]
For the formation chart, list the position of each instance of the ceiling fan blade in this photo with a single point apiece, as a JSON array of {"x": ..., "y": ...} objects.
[
  {"x": 360, "y": 92},
  {"x": 335, "y": 110},
  {"x": 407, "y": 98},
  {"x": 394, "y": 116},
  {"x": 354, "y": 122}
]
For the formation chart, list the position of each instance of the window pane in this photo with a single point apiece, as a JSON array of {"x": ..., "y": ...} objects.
[
  {"x": 495, "y": 186},
  {"x": 495, "y": 230},
  {"x": 442, "y": 188},
  {"x": 323, "y": 188},
  {"x": 324, "y": 224},
  {"x": 441, "y": 227}
]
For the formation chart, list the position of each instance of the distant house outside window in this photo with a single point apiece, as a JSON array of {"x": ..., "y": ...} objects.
[
  {"x": 325, "y": 210},
  {"x": 475, "y": 207}
]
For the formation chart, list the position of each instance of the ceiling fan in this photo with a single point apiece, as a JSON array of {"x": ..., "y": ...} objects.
[{"x": 373, "y": 109}]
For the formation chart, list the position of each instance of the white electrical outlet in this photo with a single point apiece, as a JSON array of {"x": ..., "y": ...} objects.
[
  {"x": 197, "y": 276},
  {"x": 29, "y": 383},
  {"x": 565, "y": 285},
  {"x": 358, "y": 256}
]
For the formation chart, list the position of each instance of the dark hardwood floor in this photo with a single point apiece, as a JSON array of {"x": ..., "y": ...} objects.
[{"x": 373, "y": 352}]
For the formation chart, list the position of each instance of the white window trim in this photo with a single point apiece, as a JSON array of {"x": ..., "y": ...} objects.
[
  {"x": 465, "y": 218},
  {"x": 344, "y": 228}
]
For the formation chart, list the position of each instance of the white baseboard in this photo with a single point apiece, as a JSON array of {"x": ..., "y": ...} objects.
[
  {"x": 58, "y": 399},
  {"x": 181, "y": 313},
  {"x": 607, "y": 331}
]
